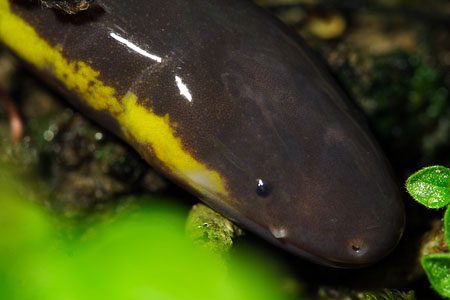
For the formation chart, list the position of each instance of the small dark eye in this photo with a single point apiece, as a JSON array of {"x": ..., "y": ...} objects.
[{"x": 263, "y": 189}]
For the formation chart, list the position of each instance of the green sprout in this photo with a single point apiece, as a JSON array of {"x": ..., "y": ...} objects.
[
  {"x": 431, "y": 187},
  {"x": 437, "y": 268}
]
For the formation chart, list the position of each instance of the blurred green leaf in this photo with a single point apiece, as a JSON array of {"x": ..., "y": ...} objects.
[
  {"x": 430, "y": 186},
  {"x": 142, "y": 254},
  {"x": 437, "y": 268}
]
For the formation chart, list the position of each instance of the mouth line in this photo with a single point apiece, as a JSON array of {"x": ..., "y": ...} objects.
[{"x": 264, "y": 232}]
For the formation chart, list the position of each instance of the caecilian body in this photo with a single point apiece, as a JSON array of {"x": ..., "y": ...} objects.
[{"x": 227, "y": 102}]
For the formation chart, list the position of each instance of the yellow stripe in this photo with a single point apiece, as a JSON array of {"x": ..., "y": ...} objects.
[{"x": 138, "y": 123}]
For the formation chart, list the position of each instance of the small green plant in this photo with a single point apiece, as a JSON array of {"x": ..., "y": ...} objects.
[{"x": 431, "y": 187}]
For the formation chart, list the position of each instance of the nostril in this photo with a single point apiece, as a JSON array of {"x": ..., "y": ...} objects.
[{"x": 357, "y": 247}]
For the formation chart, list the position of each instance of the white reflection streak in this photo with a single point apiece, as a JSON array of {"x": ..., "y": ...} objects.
[
  {"x": 184, "y": 91},
  {"x": 134, "y": 47}
]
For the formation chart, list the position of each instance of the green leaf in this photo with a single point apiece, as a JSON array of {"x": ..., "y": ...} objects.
[
  {"x": 430, "y": 186},
  {"x": 447, "y": 226},
  {"x": 437, "y": 268}
]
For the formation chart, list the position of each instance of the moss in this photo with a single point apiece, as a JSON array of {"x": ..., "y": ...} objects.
[
  {"x": 326, "y": 293},
  {"x": 210, "y": 230},
  {"x": 406, "y": 100}
]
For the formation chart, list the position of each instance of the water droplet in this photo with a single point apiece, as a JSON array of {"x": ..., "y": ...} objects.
[
  {"x": 49, "y": 135},
  {"x": 98, "y": 136}
]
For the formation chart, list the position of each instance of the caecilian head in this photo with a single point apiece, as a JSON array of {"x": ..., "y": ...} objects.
[
  {"x": 300, "y": 170},
  {"x": 279, "y": 150},
  {"x": 298, "y": 167}
]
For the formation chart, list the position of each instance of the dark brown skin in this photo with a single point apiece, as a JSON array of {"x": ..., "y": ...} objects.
[{"x": 263, "y": 107}]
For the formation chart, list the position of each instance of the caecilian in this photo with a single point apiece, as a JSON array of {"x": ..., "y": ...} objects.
[{"x": 227, "y": 102}]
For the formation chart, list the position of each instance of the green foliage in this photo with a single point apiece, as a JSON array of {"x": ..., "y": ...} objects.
[
  {"x": 406, "y": 98},
  {"x": 437, "y": 268},
  {"x": 447, "y": 225},
  {"x": 141, "y": 254},
  {"x": 430, "y": 186}
]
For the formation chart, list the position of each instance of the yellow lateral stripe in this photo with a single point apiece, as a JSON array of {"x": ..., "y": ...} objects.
[
  {"x": 146, "y": 127},
  {"x": 137, "y": 122},
  {"x": 77, "y": 76}
]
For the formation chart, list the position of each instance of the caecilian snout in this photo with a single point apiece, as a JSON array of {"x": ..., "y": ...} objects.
[{"x": 341, "y": 225}]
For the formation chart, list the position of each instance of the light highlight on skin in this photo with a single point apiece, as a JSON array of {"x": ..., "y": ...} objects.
[{"x": 135, "y": 48}]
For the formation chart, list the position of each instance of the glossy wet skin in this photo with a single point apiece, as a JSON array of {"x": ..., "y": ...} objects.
[{"x": 249, "y": 102}]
